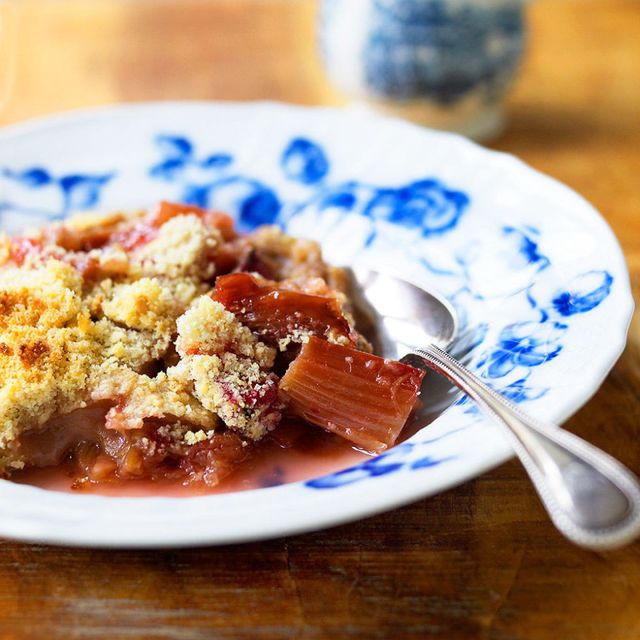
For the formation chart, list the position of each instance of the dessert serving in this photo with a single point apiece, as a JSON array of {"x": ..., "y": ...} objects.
[{"x": 164, "y": 345}]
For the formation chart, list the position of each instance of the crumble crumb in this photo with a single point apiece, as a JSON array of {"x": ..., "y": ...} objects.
[
  {"x": 181, "y": 249},
  {"x": 142, "y": 305},
  {"x": 299, "y": 336},
  {"x": 208, "y": 328},
  {"x": 191, "y": 437}
]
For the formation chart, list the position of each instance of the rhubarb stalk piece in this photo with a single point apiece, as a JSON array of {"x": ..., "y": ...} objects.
[
  {"x": 278, "y": 313},
  {"x": 361, "y": 397}
]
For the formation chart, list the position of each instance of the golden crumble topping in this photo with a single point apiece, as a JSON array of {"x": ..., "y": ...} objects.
[
  {"x": 207, "y": 327},
  {"x": 116, "y": 314},
  {"x": 181, "y": 249}
]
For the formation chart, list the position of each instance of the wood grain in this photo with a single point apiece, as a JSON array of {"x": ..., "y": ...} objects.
[{"x": 480, "y": 561}]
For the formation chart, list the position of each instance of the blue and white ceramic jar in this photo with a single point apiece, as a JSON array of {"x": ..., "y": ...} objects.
[{"x": 443, "y": 63}]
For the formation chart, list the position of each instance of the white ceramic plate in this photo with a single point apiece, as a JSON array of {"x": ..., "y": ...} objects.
[{"x": 536, "y": 274}]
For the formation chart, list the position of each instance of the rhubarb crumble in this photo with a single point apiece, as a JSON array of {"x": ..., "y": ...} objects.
[{"x": 165, "y": 345}]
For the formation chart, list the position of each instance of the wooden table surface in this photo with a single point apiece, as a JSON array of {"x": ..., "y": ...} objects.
[{"x": 480, "y": 561}]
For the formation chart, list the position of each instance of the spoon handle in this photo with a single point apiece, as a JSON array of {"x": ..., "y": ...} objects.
[{"x": 592, "y": 498}]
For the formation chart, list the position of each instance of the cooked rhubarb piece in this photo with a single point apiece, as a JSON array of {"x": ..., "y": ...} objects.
[
  {"x": 85, "y": 232},
  {"x": 164, "y": 452},
  {"x": 167, "y": 210},
  {"x": 146, "y": 229},
  {"x": 277, "y": 313},
  {"x": 21, "y": 247},
  {"x": 211, "y": 461},
  {"x": 359, "y": 396},
  {"x": 158, "y": 449},
  {"x": 159, "y": 452}
]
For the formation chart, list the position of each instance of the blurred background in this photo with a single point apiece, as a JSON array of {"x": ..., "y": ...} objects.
[{"x": 573, "y": 111}]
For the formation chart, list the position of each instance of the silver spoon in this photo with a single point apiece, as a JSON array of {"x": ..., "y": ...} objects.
[{"x": 592, "y": 498}]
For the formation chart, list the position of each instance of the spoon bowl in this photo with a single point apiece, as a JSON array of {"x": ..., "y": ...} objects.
[{"x": 397, "y": 316}]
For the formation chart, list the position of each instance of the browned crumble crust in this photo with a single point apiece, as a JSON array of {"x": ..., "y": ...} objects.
[{"x": 89, "y": 316}]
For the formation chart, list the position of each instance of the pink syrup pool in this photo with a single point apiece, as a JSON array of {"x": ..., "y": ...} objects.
[{"x": 271, "y": 465}]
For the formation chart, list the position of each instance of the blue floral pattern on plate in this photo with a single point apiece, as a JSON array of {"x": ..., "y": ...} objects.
[
  {"x": 71, "y": 192},
  {"x": 421, "y": 209},
  {"x": 212, "y": 180}
]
